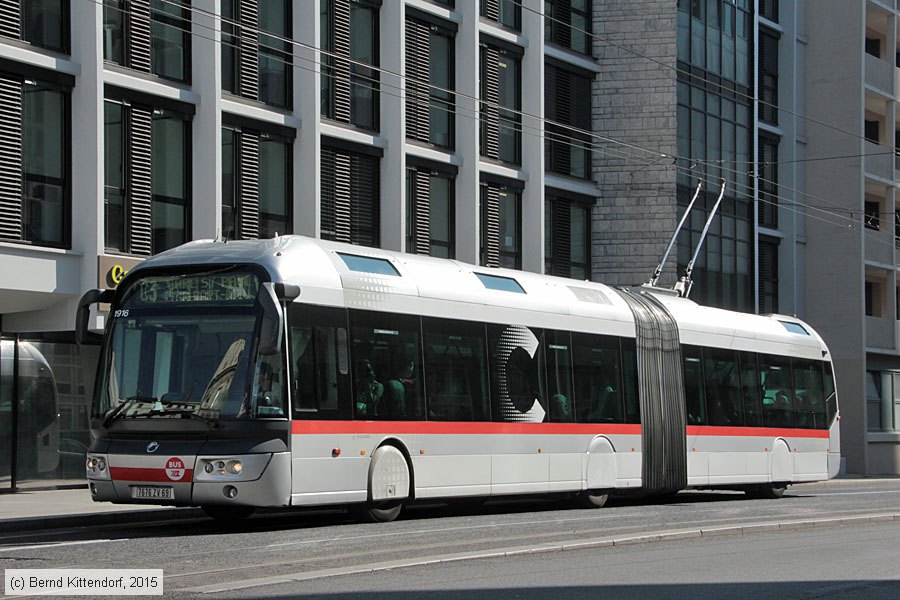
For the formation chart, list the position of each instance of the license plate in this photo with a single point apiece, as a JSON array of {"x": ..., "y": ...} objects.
[{"x": 152, "y": 493}]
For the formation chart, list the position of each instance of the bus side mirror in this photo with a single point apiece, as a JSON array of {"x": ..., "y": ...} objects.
[
  {"x": 82, "y": 335},
  {"x": 273, "y": 320}
]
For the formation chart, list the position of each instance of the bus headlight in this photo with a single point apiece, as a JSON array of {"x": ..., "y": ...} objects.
[
  {"x": 247, "y": 467},
  {"x": 96, "y": 468}
]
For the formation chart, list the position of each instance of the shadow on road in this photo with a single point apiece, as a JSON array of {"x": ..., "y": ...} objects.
[
  {"x": 300, "y": 518},
  {"x": 794, "y": 590}
]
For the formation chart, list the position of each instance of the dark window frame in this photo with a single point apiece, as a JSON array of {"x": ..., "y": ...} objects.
[
  {"x": 65, "y": 183},
  {"x": 565, "y": 266},
  {"x": 411, "y": 214},
  {"x": 65, "y": 46}
]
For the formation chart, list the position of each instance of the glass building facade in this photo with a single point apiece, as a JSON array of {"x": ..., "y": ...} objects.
[{"x": 715, "y": 142}]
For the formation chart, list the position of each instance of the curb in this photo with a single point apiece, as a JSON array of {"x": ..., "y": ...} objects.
[{"x": 94, "y": 519}]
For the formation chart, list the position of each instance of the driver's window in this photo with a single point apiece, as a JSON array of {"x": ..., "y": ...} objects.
[{"x": 268, "y": 397}]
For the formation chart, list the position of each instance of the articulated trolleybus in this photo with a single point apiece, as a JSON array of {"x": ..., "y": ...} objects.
[{"x": 300, "y": 372}]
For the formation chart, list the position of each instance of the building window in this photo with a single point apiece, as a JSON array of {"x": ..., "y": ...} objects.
[
  {"x": 430, "y": 109},
  {"x": 351, "y": 202},
  {"x": 256, "y": 184},
  {"x": 151, "y": 37},
  {"x": 505, "y": 12},
  {"x": 349, "y": 30},
  {"x": 430, "y": 213},
  {"x": 501, "y": 96},
  {"x": 872, "y": 131},
  {"x": 567, "y": 23},
  {"x": 873, "y": 46},
  {"x": 768, "y": 181},
  {"x": 717, "y": 37},
  {"x": 231, "y": 46},
  {"x": 170, "y": 179},
  {"x": 567, "y": 237},
  {"x": 114, "y": 175},
  {"x": 34, "y": 162},
  {"x": 768, "y": 77},
  {"x": 872, "y": 214},
  {"x": 43, "y": 23},
  {"x": 45, "y": 164},
  {"x": 723, "y": 275},
  {"x": 714, "y": 131},
  {"x": 501, "y": 226},
  {"x": 873, "y": 401},
  {"x": 170, "y": 40},
  {"x": 275, "y": 63},
  {"x": 768, "y": 276},
  {"x": 257, "y": 63},
  {"x": 769, "y": 9},
  {"x": 567, "y": 107},
  {"x": 147, "y": 178}
]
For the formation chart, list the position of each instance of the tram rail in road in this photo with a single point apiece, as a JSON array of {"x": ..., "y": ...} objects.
[{"x": 301, "y": 546}]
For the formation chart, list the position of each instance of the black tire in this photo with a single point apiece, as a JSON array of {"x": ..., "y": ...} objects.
[
  {"x": 383, "y": 512},
  {"x": 591, "y": 499},
  {"x": 767, "y": 491},
  {"x": 226, "y": 514}
]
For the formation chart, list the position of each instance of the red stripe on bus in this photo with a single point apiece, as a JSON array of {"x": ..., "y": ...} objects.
[
  {"x": 143, "y": 474},
  {"x": 467, "y": 428},
  {"x": 768, "y": 432},
  {"x": 460, "y": 428}
]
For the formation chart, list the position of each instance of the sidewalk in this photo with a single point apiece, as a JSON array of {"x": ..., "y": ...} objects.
[{"x": 46, "y": 509}]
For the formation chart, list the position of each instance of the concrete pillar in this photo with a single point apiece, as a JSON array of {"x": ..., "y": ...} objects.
[
  {"x": 307, "y": 106},
  {"x": 468, "y": 221},
  {"x": 533, "y": 137},
  {"x": 393, "y": 126},
  {"x": 206, "y": 128},
  {"x": 87, "y": 152}
]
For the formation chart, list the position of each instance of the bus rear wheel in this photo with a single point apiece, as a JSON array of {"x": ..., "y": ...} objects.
[
  {"x": 767, "y": 491},
  {"x": 382, "y": 512},
  {"x": 226, "y": 514},
  {"x": 591, "y": 499}
]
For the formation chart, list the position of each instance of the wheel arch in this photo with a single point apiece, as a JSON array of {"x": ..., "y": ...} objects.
[{"x": 401, "y": 447}]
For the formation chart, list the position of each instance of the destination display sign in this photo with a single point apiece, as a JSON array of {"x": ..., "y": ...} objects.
[{"x": 204, "y": 287}]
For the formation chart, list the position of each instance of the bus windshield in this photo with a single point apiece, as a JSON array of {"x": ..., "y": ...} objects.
[{"x": 189, "y": 355}]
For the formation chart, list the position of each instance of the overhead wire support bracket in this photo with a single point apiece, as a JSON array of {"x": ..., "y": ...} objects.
[
  {"x": 662, "y": 263},
  {"x": 684, "y": 285}
]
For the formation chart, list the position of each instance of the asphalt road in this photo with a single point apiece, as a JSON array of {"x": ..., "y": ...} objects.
[{"x": 816, "y": 542}]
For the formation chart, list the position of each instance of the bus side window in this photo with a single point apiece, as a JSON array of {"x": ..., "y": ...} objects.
[
  {"x": 598, "y": 379},
  {"x": 456, "y": 372},
  {"x": 319, "y": 371},
  {"x": 750, "y": 390},
  {"x": 723, "y": 387},
  {"x": 559, "y": 376},
  {"x": 693, "y": 386},
  {"x": 809, "y": 398},
  {"x": 303, "y": 366},
  {"x": 387, "y": 366},
  {"x": 831, "y": 407},
  {"x": 630, "y": 381},
  {"x": 777, "y": 391},
  {"x": 516, "y": 360}
]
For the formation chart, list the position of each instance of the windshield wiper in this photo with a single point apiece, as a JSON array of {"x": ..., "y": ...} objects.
[
  {"x": 183, "y": 413},
  {"x": 128, "y": 402}
]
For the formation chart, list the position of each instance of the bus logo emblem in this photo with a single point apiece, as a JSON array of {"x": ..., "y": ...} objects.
[
  {"x": 175, "y": 468},
  {"x": 152, "y": 447}
]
